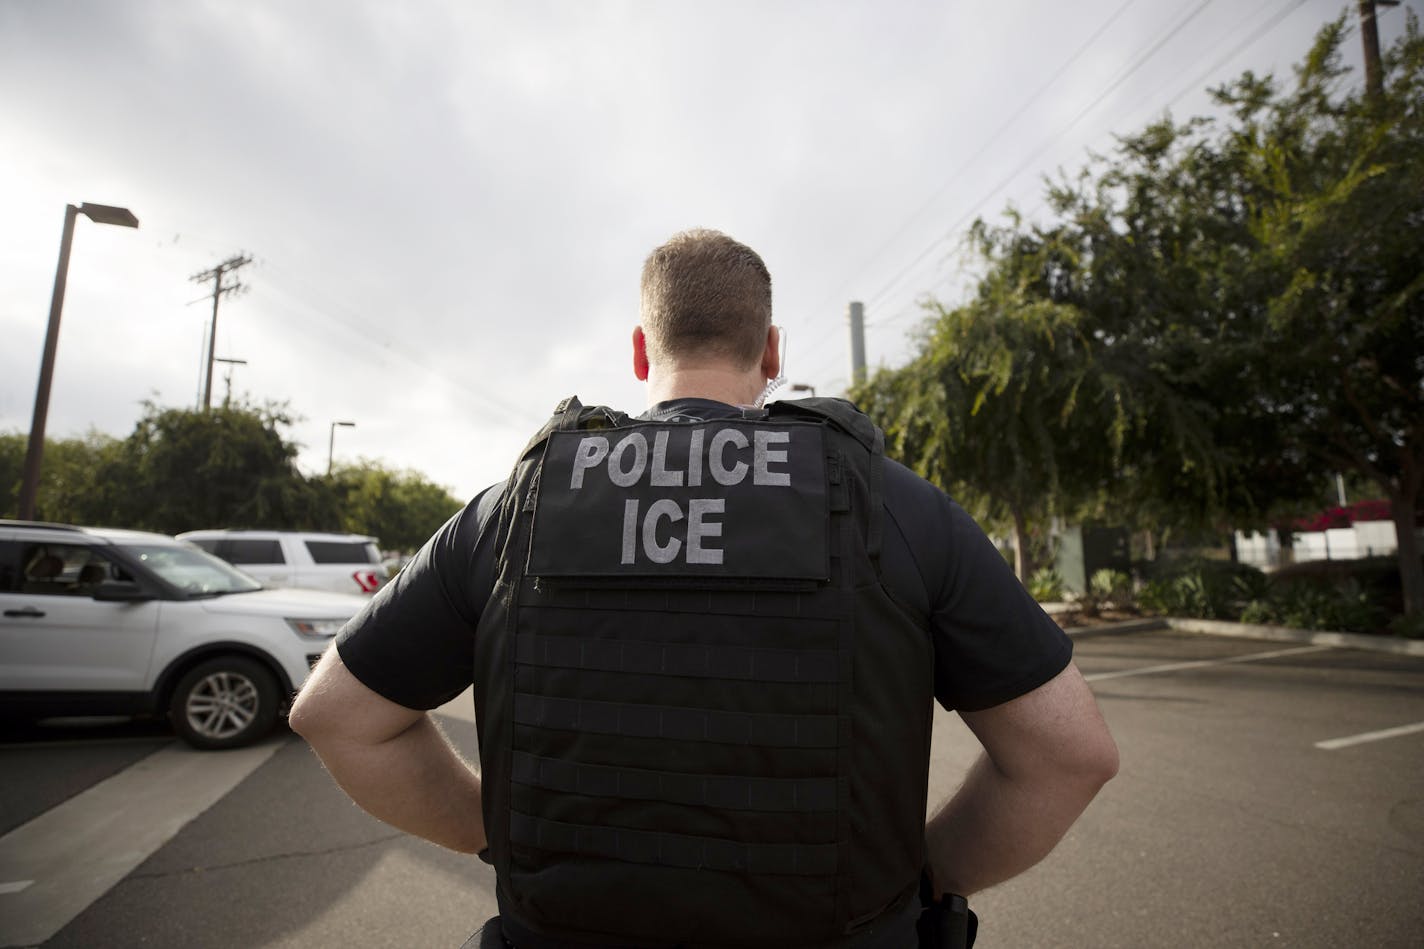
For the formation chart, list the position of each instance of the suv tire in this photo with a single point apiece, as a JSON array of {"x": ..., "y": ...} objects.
[{"x": 225, "y": 702}]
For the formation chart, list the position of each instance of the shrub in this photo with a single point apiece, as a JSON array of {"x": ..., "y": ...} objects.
[
  {"x": 1377, "y": 576},
  {"x": 1107, "y": 587},
  {"x": 1355, "y": 596},
  {"x": 1045, "y": 586},
  {"x": 1344, "y": 606},
  {"x": 1410, "y": 627},
  {"x": 1259, "y": 612},
  {"x": 1204, "y": 589}
]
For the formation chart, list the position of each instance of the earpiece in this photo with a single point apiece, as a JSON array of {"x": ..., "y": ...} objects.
[{"x": 773, "y": 384}]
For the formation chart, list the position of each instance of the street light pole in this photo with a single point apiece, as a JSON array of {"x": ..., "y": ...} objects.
[
  {"x": 34, "y": 450},
  {"x": 331, "y": 443},
  {"x": 803, "y": 387}
]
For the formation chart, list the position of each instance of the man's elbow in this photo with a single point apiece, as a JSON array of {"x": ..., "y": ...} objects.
[
  {"x": 335, "y": 710},
  {"x": 1097, "y": 761},
  {"x": 311, "y": 714},
  {"x": 1108, "y": 763},
  {"x": 1079, "y": 765},
  {"x": 305, "y": 718}
]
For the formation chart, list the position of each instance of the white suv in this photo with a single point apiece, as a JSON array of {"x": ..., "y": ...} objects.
[
  {"x": 344, "y": 563},
  {"x": 111, "y": 622}
]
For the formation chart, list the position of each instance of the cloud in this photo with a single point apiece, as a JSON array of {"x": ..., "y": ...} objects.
[{"x": 448, "y": 203}]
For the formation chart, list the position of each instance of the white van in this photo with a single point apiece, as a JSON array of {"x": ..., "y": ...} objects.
[{"x": 342, "y": 563}]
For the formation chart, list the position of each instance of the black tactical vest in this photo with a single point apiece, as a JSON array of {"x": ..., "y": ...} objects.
[{"x": 703, "y": 720}]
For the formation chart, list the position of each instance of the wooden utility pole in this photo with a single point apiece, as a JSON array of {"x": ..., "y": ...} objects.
[
  {"x": 1369, "y": 35},
  {"x": 227, "y": 376},
  {"x": 216, "y": 276}
]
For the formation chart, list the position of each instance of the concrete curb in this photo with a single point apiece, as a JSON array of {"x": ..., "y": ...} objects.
[
  {"x": 1146, "y": 624},
  {"x": 1213, "y": 627}
]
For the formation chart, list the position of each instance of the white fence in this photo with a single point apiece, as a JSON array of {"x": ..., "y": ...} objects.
[{"x": 1363, "y": 539}]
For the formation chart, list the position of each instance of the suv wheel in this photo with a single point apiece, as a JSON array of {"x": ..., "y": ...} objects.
[{"x": 224, "y": 703}]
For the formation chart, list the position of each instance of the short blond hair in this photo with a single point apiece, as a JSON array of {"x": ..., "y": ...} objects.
[{"x": 705, "y": 295}]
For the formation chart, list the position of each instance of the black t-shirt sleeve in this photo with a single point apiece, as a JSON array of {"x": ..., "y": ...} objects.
[
  {"x": 414, "y": 642},
  {"x": 992, "y": 641}
]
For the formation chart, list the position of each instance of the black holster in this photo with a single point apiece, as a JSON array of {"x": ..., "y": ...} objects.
[{"x": 947, "y": 922}]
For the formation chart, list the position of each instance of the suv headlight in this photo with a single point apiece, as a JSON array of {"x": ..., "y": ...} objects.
[{"x": 316, "y": 628}]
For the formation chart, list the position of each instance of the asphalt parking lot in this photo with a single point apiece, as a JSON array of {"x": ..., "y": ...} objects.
[
  {"x": 1271, "y": 794},
  {"x": 1228, "y": 824}
]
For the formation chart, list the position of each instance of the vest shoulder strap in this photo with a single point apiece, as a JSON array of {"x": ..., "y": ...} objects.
[
  {"x": 571, "y": 415},
  {"x": 844, "y": 415},
  {"x": 856, "y": 424}
]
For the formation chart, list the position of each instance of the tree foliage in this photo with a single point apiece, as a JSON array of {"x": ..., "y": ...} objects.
[
  {"x": 1340, "y": 219},
  {"x": 1219, "y": 317},
  {"x": 240, "y": 470},
  {"x": 998, "y": 384},
  {"x": 228, "y": 467},
  {"x": 401, "y": 508}
]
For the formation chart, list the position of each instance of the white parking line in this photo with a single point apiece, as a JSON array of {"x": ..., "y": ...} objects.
[
  {"x": 1201, "y": 663},
  {"x": 72, "y": 854},
  {"x": 1364, "y": 737},
  {"x": 15, "y": 886}
]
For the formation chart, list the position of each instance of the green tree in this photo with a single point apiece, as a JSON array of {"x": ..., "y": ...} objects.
[
  {"x": 1002, "y": 390},
  {"x": 1338, "y": 205},
  {"x": 12, "y": 471},
  {"x": 402, "y": 508},
  {"x": 1159, "y": 251},
  {"x": 1222, "y": 315},
  {"x": 227, "y": 467},
  {"x": 70, "y": 488}
]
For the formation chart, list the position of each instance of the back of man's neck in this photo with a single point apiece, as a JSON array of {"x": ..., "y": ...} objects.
[{"x": 734, "y": 387}]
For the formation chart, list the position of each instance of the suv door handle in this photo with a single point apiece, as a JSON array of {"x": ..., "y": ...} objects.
[{"x": 29, "y": 611}]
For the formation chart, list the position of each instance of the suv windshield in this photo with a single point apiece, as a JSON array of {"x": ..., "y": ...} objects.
[{"x": 191, "y": 570}]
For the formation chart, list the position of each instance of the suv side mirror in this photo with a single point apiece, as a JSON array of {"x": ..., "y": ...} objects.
[{"x": 121, "y": 591}]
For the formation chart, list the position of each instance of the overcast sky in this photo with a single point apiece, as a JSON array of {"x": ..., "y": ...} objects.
[{"x": 447, "y": 203}]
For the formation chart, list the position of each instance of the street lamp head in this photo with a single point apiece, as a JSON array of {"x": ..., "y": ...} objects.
[
  {"x": 331, "y": 443},
  {"x": 108, "y": 214}
]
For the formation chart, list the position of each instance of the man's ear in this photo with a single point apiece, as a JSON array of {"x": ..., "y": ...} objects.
[
  {"x": 771, "y": 356},
  {"x": 640, "y": 354}
]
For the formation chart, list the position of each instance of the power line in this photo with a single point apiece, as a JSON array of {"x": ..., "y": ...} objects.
[
  {"x": 372, "y": 330},
  {"x": 1280, "y": 16},
  {"x": 395, "y": 348},
  {"x": 1290, "y": 6},
  {"x": 1118, "y": 79},
  {"x": 1282, "y": 12},
  {"x": 1261, "y": 29},
  {"x": 953, "y": 177},
  {"x": 1113, "y": 84}
]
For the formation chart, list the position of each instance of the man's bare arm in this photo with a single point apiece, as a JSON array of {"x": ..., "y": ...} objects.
[
  {"x": 393, "y": 761},
  {"x": 1046, "y": 755}
]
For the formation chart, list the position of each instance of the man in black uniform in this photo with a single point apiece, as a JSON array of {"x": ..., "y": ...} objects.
[{"x": 704, "y": 644}]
